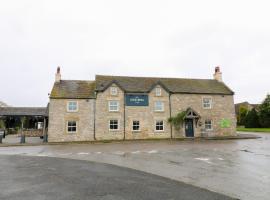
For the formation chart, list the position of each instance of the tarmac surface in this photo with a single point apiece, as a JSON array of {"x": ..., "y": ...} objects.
[
  {"x": 38, "y": 178},
  {"x": 235, "y": 168}
]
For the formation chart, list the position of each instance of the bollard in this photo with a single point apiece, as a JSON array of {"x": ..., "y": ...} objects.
[
  {"x": 22, "y": 139},
  {"x": 1, "y": 137}
]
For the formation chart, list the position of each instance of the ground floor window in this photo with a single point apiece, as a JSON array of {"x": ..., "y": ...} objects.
[
  {"x": 113, "y": 124},
  {"x": 159, "y": 125},
  {"x": 136, "y": 126},
  {"x": 208, "y": 124},
  {"x": 71, "y": 126}
]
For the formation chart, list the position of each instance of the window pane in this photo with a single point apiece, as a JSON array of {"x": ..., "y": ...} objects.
[
  {"x": 158, "y": 91},
  {"x": 113, "y": 105},
  {"x": 72, "y": 126},
  {"x": 114, "y": 124},
  {"x": 72, "y": 106},
  {"x": 159, "y": 126},
  {"x": 159, "y": 106},
  {"x": 136, "y": 125}
]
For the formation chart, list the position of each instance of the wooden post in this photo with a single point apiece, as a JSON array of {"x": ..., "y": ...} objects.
[{"x": 44, "y": 130}]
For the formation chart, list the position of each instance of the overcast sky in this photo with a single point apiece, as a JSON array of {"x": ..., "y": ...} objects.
[{"x": 142, "y": 38}]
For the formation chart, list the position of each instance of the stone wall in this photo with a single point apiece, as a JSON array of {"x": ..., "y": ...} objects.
[
  {"x": 222, "y": 109},
  {"x": 58, "y": 117},
  {"x": 103, "y": 115}
]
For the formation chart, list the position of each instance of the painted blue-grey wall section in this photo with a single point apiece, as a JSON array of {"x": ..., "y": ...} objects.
[{"x": 136, "y": 100}]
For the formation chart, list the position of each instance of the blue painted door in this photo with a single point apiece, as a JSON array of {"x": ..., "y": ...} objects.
[{"x": 189, "y": 128}]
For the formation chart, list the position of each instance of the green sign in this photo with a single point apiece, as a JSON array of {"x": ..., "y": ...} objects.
[{"x": 225, "y": 123}]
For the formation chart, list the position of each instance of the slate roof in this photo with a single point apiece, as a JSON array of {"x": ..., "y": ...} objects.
[
  {"x": 174, "y": 85},
  {"x": 73, "y": 89},
  {"x": 23, "y": 111}
]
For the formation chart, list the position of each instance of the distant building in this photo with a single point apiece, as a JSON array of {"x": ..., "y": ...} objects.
[
  {"x": 246, "y": 105},
  {"x": 2, "y": 104},
  {"x": 121, "y": 107}
]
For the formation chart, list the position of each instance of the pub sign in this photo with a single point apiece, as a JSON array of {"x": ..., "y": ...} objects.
[{"x": 136, "y": 100}]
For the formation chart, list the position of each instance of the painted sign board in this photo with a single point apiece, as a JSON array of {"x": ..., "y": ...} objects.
[{"x": 136, "y": 100}]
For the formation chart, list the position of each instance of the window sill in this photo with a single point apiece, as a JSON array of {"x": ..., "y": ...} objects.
[
  {"x": 136, "y": 131},
  {"x": 72, "y": 111},
  {"x": 159, "y": 111},
  {"x": 159, "y": 131}
]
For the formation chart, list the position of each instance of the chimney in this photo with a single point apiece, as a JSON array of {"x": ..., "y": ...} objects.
[
  {"x": 58, "y": 75},
  {"x": 218, "y": 74}
]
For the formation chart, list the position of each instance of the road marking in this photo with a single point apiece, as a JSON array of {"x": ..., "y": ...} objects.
[
  {"x": 204, "y": 160},
  {"x": 153, "y": 151},
  {"x": 83, "y": 153},
  {"x": 135, "y": 152}
]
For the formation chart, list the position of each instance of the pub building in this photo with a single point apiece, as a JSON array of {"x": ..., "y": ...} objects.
[{"x": 126, "y": 108}]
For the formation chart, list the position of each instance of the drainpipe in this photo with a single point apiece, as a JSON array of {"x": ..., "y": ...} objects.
[
  {"x": 124, "y": 116},
  {"x": 170, "y": 108},
  {"x": 95, "y": 116}
]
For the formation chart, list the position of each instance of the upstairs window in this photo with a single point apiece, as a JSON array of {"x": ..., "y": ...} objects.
[
  {"x": 114, "y": 124},
  {"x": 113, "y": 106},
  {"x": 114, "y": 91},
  {"x": 72, "y": 106},
  {"x": 208, "y": 125},
  {"x": 71, "y": 126},
  {"x": 159, "y": 106},
  {"x": 158, "y": 91},
  {"x": 207, "y": 103},
  {"x": 136, "y": 126},
  {"x": 159, "y": 125}
]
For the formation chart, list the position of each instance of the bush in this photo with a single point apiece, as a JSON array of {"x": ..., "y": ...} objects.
[{"x": 252, "y": 119}]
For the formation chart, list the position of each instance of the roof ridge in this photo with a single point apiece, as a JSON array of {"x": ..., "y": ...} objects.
[{"x": 154, "y": 77}]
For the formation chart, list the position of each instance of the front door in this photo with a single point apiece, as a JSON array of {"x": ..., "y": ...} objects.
[{"x": 189, "y": 128}]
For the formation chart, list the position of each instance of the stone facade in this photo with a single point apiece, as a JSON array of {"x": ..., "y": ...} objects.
[
  {"x": 176, "y": 95},
  {"x": 59, "y": 116},
  {"x": 222, "y": 109}
]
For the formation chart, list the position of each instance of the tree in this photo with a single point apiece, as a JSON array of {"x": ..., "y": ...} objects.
[
  {"x": 264, "y": 112},
  {"x": 252, "y": 119},
  {"x": 178, "y": 120},
  {"x": 242, "y": 115}
]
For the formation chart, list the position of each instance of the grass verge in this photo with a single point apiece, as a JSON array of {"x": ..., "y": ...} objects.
[{"x": 261, "y": 130}]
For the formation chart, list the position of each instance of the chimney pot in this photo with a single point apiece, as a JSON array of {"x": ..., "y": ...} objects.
[
  {"x": 58, "y": 75},
  {"x": 218, "y": 74}
]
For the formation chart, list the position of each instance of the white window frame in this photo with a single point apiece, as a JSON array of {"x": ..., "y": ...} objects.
[
  {"x": 206, "y": 124},
  {"x": 118, "y": 124},
  {"x": 163, "y": 125},
  {"x": 114, "y": 91},
  {"x": 210, "y": 103},
  {"x": 110, "y": 106},
  {"x": 67, "y": 126},
  {"x": 72, "y": 102},
  {"x": 139, "y": 125},
  {"x": 161, "y": 106},
  {"x": 158, "y": 91}
]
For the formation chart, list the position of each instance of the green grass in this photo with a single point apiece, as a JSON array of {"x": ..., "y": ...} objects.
[{"x": 264, "y": 130}]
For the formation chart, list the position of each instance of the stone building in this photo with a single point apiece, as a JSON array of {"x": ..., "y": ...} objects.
[{"x": 120, "y": 107}]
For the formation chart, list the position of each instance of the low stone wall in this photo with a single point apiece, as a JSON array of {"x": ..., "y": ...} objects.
[{"x": 32, "y": 133}]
